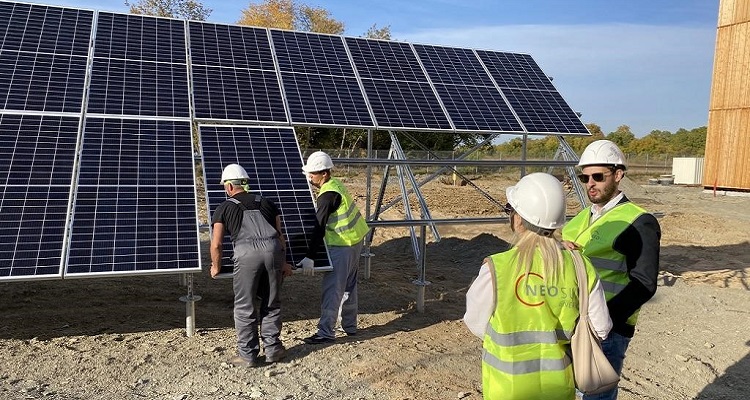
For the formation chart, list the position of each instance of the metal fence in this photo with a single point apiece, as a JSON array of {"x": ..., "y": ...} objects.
[{"x": 638, "y": 164}]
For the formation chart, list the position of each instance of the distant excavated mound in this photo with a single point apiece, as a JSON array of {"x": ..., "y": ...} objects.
[{"x": 636, "y": 192}]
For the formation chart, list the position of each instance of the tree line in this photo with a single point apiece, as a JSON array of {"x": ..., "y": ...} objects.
[
  {"x": 296, "y": 15},
  {"x": 687, "y": 143}
]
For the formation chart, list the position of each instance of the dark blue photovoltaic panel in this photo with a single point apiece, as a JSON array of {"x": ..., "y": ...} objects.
[
  {"x": 466, "y": 90},
  {"x": 544, "y": 112},
  {"x": 325, "y": 100},
  {"x": 124, "y": 87},
  {"x": 311, "y": 53},
  {"x": 516, "y": 71},
  {"x": 44, "y": 29},
  {"x": 234, "y": 77},
  {"x": 137, "y": 37},
  {"x": 380, "y": 59},
  {"x": 41, "y": 82},
  {"x": 237, "y": 94},
  {"x": 319, "y": 81},
  {"x": 230, "y": 46},
  {"x": 401, "y": 105},
  {"x": 478, "y": 108},
  {"x": 43, "y": 54},
  {"x": 139, "y": 67},
  {"x": 396, "y": 86},
  {"x": 273, "y": 162},
  {"x": 452, "y": 65},
  {"x": 135, "y": 207},
  {"x": 36, "y": 167}
]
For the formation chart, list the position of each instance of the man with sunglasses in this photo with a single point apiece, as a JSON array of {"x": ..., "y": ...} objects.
[{"x": 622, "y": 241}]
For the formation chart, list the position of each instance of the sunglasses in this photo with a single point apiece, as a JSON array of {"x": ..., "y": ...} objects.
[
  {"x": 597, "y": 177},
  {"x": 508, "y": 209}
]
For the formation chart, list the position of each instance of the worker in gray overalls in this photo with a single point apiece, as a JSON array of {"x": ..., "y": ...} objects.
[{"x": 254, "y": 223}]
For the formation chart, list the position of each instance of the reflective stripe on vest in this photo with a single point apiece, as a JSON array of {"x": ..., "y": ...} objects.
[
  {"x": 526, "y": 367},
  {"x": 345, "y": 227},
  {"x": 597, "y": 239},
  {"x": 518, "y": 338}
]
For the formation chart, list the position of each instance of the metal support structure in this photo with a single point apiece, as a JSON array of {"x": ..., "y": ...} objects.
[
  {"x": 425, "y": 211},
  {"x": 189, "y": 301},
  {"x": 407, "y": 206},
  {"x": 444, "y": 166},
  {"x": 421, "y": 280},
  {"x": 565, "y": 158},
  {"x": 565, "y": 153},
  {"x": 367, "y": 254}
]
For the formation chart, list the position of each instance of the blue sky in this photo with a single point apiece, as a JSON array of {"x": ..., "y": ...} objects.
[{"x": 642, "y": 63}]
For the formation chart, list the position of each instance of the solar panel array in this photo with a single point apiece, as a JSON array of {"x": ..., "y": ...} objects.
[
  {"x": 273, "y": 161},
  {"x": 97, "y": 110}
]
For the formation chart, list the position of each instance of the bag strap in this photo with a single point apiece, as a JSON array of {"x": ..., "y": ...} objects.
[{"x": 583, "y": 287}]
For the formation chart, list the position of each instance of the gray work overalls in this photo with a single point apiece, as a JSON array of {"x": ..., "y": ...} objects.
[{"x": 258, "y": 258}]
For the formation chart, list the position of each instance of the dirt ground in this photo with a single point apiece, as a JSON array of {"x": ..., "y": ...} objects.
[{"x": 124, "y": 338}]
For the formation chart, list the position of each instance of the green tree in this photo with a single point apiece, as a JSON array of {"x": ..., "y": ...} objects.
[
  {"x": 622, "y": 136},
  {"x": 656, "y": 142},
  {"x": 689, "y": 143},
  {"x": 185, "y": 9}
]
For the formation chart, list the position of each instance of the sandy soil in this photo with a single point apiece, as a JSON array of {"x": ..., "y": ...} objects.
[{"x": 124, "y": 338}]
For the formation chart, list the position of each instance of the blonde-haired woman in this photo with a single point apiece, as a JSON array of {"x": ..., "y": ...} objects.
[{"x": 524, "y": 302}]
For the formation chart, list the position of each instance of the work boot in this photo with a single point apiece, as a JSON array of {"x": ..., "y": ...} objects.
[
  {"x": 239, "y": 361},
  {"x": 277, "y": 355},
  {"x": 315, "y": 339}
]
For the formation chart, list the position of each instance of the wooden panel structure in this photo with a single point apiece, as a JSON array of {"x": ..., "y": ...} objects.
[
  {"x": 733, "y": 12},
  {"x": 727, "y": 159}
]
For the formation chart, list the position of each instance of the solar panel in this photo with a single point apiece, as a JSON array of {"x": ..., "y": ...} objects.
[
  {"x": 319, "y": 82},
  {"x": 474, "y": 108},
  {"x": 544, "y": 112},
  {"x": 397, "y": 88},
  {"x": 273, "y": 161},
  {"x": 126, "y": 87},
  {"x": 139, "y": 37},
  {"x": 531, "y": 95},
  {"x": 36, "y": 168},
  {"x": 43, "y": 29},
  {"x": 234, "y": 77},
  {"x": 135, "y": 207},
  {"x": 139, "y": 67},
  {"x": 513, "y": 70},
  {"x": 466, "y": 90},
  {"x": 43, "y": 57},
  {"x": 453, "y": 66}
]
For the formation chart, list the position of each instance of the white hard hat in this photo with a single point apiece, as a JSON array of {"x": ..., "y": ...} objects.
[
  {"x": 539, "y": 199},
  {"x": 318, "y": 161},
  {"x": 602, "y": 152},
  {"x": 233, "y": 172}
]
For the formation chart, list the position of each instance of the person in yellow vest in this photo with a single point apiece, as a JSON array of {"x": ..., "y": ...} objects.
[
  {"x": 343, "y": 228},
  {"x": 524, "y": 302},
  {"x": 622, "y": 241}
]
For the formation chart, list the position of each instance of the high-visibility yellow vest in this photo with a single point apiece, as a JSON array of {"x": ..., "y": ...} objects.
[
  {"x": 345, "y": 227},
  {"x": 529, "y": 332},
  {"x": 597, "y": 239}
]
